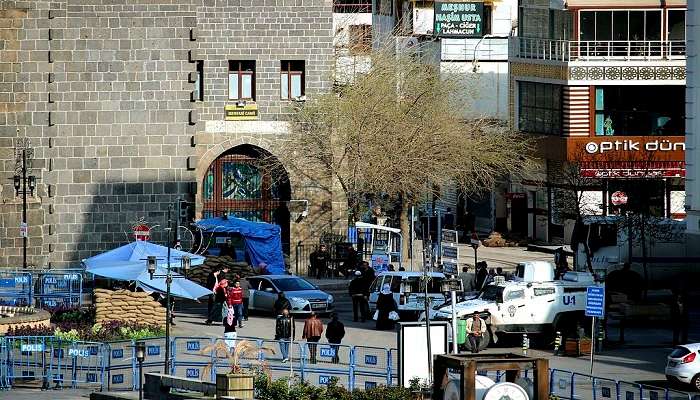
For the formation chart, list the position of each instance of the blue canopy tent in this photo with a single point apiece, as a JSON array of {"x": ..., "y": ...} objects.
[
  {"x": 263, "y": 241},
  {"x": 128, "y": 263},
  {"x": 137, "y": 252}
]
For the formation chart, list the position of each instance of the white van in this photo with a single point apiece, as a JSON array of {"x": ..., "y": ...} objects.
[{"x": 407, "y": 290}]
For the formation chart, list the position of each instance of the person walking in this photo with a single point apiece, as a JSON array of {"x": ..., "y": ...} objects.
[
  {"x": 245, "y": 287},
  {"x": 467, "y": 279},
  {"x": 385, "y": 305},
  {"x": 680, "y": 318},
  {"x": 235, "y": 301},
  {"x": 281, "y": 303},
  {"x": 476, "y": 327},
  {"x": 284, "y": 333},
  {"x": 230, "y": 334},
  {"x": 313, "y": 329},
  {"x": 220, "y": 294},
  {"x": 319, "y": 262},
  {"x": 357, "y": 293},
  {"x": 212, "y": 282},
  {"x": 481, "y": 275},
  {"x": 335, "y": 332}
]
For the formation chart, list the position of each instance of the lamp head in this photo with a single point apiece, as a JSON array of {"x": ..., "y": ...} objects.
[
  {"x": 140, "y": 351},
  {"x": 186, "y": 263},
  {"x": 31, "y": 183},
  {"x": 151, "y": 265},
  {"x": 17, "y": 180}
]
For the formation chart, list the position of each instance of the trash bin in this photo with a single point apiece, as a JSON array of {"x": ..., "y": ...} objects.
[{"x": 461, "y": 331}]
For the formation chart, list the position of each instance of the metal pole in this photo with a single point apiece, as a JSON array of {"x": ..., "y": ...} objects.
[
  {"x": 476, "y": 259},
  {"x": 168, "y": 279},
  {"x": 453, "y": 299},
  {"x": 291, "y": 348},
  {"x": 427, "y": 317},
  {"x": 439, "y": 236},
  {"x": 413, "y": 215},
  {"x": 140, "y": 379},
  {"x": 592, "y": 342},
  {"x": 24, "y": 208}
]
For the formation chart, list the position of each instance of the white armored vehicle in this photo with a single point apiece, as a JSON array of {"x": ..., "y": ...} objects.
[{"x": 532, "y": 302}]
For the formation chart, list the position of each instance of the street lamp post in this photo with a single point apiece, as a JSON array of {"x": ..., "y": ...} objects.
[
  {"x": 24, "y": 182},
  {"x": 151, "y": 263},
  {"x": 140, "y": 356}
]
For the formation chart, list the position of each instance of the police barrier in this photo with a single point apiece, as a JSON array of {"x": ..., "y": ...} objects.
[
  {"x": 629, "y": 391},
  {"x": 59, "y": 289},
  {"x": 190, "y": 357},
  {"x": 372, "y": 364},
  {"x": 53, "y": 361},
  {"x": 604, "y": 389},
  {"x": 561, "y": 384},
  {"x": 16, "y": 288},
  {"x": 121, "y": 368},
  {"x": 653, "y": 393},
  {"x": 583, "y": 387}
]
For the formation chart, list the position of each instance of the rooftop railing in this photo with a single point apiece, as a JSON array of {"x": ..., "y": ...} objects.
[{"x": 613, "y": 50}]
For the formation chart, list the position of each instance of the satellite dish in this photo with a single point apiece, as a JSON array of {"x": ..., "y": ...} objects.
[{"x": 482, "y": 385}]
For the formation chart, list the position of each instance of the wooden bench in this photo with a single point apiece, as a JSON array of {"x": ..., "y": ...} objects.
[{"x": 157, "y": 386}]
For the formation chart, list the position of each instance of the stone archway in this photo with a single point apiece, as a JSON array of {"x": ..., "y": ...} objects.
[{"x": 235, "y": 182}]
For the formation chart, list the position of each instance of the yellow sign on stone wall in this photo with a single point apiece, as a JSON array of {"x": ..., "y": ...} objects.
[{"x": 247, "y": 112}]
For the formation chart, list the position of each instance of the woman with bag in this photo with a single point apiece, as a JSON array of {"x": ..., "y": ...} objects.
[
  {"x": 220, "y": 310},
  {"x": 387, "y": 310}
]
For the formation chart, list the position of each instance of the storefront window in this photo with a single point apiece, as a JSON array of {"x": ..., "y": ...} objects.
[
  {"x": 539, "y": 108},
  {"x": 634, "y": 111}
]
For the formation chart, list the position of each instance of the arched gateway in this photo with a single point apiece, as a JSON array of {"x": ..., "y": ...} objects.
[{"x": 241, "y": 183}]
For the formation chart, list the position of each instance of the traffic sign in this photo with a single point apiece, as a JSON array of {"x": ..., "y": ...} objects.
[
  {"x": 618, "y": 198},
  {"x": 449, "y": 236},
  {"x": 595, "y": 301},
  {"x": 475, "y": 243},
  {"x": 23, "y": 229}
]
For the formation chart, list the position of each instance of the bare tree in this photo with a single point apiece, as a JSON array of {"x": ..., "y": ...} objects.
[{"x": 398, "y": 130}]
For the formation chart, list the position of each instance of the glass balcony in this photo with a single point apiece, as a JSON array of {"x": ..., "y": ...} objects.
[{"x": 610, "y": 50}]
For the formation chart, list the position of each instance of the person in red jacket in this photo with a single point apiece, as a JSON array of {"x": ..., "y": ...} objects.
[{"x": 235, "y": 300}]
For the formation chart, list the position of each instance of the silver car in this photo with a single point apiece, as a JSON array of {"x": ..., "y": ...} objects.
[
  {"x": 302, "y": 294},
  {"x": 683, "y": 365}
]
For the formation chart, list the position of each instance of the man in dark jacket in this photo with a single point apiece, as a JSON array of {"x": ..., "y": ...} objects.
[
  {"x": 357, "y": 292},
  {"x": 319, "y": 262},
  {"x": 284, "y": 332},
  {"x": 281, "y": 303},
  {"x": 335, "y": 332}
]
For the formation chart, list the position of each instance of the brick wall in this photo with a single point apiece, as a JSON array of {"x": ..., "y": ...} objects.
[{"x": 103, "y": 90}]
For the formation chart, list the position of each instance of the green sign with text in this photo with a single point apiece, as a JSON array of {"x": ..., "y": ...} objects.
[{"x": 459, "y": 20}]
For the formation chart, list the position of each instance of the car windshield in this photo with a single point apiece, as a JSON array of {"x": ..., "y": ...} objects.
[
  {"x": 292, "y": 284},
  {"x": 414, "y": 282},
  {"x": 492, "y": 293},
  {"x": 679, "y": 352}
]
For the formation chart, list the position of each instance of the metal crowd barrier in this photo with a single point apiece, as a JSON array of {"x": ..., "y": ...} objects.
[
  {"x": 55, "y": 362},
  {"x": 59, "y": 289},
  {"x": 16, "y": 288}
]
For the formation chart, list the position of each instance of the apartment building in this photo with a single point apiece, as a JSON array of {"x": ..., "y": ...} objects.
[{"x": 601, "y": 86}]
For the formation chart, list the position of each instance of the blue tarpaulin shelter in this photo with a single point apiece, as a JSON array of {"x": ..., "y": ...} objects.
[{"x": 263, "y": 241}]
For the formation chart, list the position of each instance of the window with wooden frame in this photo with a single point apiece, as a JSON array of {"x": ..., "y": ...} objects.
[
  {"x": 292, "y": 79},
  {"x": 241, "y": 80},
  {"x": 360, "y": 39}
]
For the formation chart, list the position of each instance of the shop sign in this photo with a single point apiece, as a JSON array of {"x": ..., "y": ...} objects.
[
  {"x": 459, "y": 20},
  {"x": 246, "y": 112},
  {"x": 513, "y": 196},
  {"x": 618, "y": 198},
  {"x": 633, "y": 146},
  {"x": 631, "y": 173}
]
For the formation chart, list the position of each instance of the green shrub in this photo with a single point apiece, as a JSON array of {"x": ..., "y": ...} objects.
[{"x": 282, "y": 389}]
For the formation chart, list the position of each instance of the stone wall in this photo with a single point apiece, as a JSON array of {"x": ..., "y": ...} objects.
[
  {"x": 124, "y": 305},
  {"x": 104, "y": 91}
]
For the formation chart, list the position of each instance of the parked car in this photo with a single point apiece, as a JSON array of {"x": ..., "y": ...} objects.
[
  {"x": 302, "y": 294},
  {"x": 683, "y": 365},
  {"x": 406, "y": 288}
]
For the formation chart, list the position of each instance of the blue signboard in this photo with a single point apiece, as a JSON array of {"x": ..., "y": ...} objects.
[
  {"x": 153, "y": 350},
  {"x": 117, "y": 379},
  {"x": 370, "y": 359},
  {"x": 7, "y": 283},
  {"x": 91, "y": 377},
  {"x": 118, "y": 353},
  {"x": 324, "y": 379},
  {"x": 193, "y": 346},
  {"x": 595, "y": 301},
  {"x": 370, "y": 385},
  {"x": 192, "y": 373},
  {"x": 327, "y": 352}
]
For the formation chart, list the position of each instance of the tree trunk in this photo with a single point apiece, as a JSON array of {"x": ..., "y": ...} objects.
[
  {"x": 642, "y": 231},
  {"x": 405, "y": 225}
]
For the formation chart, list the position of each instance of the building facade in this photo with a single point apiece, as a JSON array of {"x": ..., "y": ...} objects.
[
  {"x": 126, "y": 106},
  {"x": 692, "y": 140},
  {"x": 601, "y": 86}
]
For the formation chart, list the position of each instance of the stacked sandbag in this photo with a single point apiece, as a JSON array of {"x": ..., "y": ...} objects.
[
  {"x": 495, "y": 239},
  {"x": 199, "y": 273},
  {"x": 124, "y": 305}
]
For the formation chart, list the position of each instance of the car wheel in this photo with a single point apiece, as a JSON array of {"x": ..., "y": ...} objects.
[{"x": 696, "y": 383}]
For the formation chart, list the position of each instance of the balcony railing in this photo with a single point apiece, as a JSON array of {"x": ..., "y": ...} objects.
[{"x": 614, "y": 50}]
